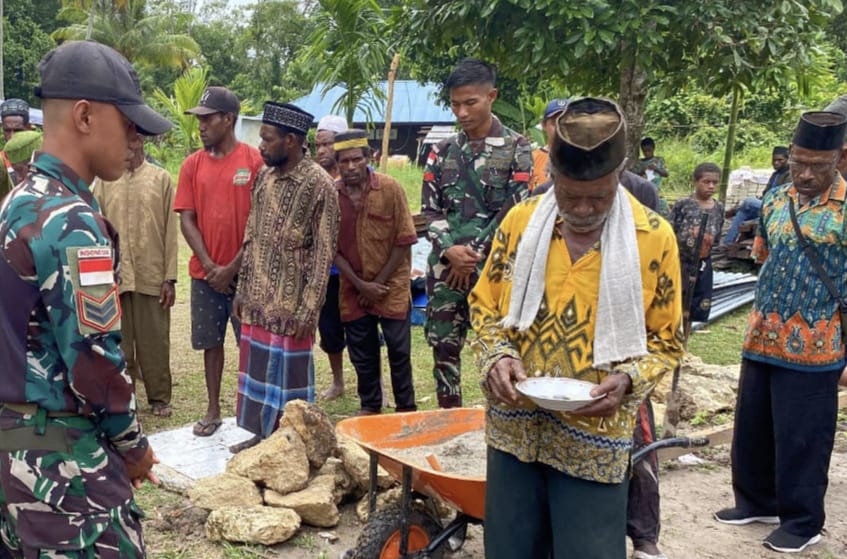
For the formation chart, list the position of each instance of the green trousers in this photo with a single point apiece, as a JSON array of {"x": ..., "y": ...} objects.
[
  {"x": 146, "y": 331},
  {"x": 535, "y": 511}
]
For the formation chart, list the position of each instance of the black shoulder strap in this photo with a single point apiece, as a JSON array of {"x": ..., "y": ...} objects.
[{"x": 811, "y": 255}]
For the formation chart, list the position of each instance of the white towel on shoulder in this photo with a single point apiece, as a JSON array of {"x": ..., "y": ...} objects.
[{"x": 620, "y": 332}]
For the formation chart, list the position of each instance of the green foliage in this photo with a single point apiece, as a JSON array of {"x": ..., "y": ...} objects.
[
  {"x": 26, "y": 28},
  {"x": 268, "y": 44},
  {"x": 184, "y": 138},
  {"x": 143, "y": 39},
  {"x": 348, "y": 47}
]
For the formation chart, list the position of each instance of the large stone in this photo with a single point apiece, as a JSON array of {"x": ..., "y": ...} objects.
[
  {"x": 314, "y": 427},
  {"x": 279, "y": 462},
  {"x": 254, "y": 525},
  {"x": 383, "y": 500},
  {"x": 343, "y": 484},
  {"x": 316, "y": 504},
  {"x": 224, "y": 490},
  {"x": 704, "y": 390},
  {"x": 357, "y": 463}
]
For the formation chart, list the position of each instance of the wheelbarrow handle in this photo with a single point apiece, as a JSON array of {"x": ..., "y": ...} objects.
[{"x": 681, "y": 442}]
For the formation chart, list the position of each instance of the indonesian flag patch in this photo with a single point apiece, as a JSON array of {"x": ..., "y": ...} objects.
[
  {"x": 95, "y": 271},
  {"x": 92, "y": 274}
]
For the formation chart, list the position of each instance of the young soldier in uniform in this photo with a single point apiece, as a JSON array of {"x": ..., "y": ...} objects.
[
  {"x": 71, "y": 446},
  {"x": 470, "y": 182}
]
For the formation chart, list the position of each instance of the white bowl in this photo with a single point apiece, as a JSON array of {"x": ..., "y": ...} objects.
[{"x": 557, "y": 393}]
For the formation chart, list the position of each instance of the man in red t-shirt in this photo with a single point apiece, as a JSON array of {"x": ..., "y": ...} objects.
[{"x": 213, "y": 198}]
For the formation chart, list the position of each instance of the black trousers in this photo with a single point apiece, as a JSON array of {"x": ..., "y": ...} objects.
[
  {"x": 642, "y": 508},
  {"x": 535, "y": 512},
  {"x": 784, "y": 432},
  {"x": 363, "y": 348}
]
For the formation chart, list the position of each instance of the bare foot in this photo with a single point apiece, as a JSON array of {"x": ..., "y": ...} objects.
[
  {"x": 333, "y": 392},
  {"x": 244, "y": 445}
]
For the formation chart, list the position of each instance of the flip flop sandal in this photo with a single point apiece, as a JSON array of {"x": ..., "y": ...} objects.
[{"x": 205, "y": 428}]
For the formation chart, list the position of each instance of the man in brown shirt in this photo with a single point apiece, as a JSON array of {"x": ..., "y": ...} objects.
[
  {"x": 139, "y": 206},
  {"x": 374, "y": 258},
  {"x": 289, "y": 244}
]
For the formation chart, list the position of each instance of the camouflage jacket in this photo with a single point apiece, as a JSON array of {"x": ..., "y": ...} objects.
[
  {"x": 466, "y": 206},
  {"x": 60, "y": 311}
]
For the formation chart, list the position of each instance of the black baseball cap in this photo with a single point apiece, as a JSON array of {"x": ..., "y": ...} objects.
[
  {"x": 95, "y": 72},
  {"x": 216, "y": 99}
]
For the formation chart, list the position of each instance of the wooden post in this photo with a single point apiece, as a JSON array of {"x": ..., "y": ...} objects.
[{"x": 389, "y": 103}]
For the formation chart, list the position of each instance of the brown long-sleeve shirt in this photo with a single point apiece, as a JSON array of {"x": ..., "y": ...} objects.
[
  {"x": 289, "y": 244},
  {"x": 139, "y": 205}
]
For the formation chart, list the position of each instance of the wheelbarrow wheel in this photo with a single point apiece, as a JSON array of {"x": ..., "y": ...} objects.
[{"x": 380, "y": 538}]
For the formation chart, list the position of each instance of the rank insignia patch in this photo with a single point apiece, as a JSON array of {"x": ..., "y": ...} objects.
[{"x": 100, "y": 314}]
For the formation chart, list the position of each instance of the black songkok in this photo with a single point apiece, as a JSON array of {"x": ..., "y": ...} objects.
[
  {"x": 590, "y": 139},
  {"x": 287, "y": 116},
  {"x": 820, "y": 131}
]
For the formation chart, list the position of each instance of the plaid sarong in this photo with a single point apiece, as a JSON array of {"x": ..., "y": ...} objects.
[{"x": 272, "y": 370}]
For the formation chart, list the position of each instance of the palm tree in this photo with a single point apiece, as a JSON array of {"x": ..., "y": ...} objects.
[
  {"x": 188, "y": 89},
  {"x": 124, "y": 26},
  {"x": 348, "y": 48},
  {"x": 92, "y": 6}
]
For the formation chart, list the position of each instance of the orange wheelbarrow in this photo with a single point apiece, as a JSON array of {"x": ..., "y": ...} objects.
[
  {"x": 414, "y": 529},
  {"x": 407, "y": 531}
]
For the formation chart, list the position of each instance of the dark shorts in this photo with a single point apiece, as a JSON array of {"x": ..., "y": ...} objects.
[
  {"x": 329, "y": 321},
  {"x": 210, "y": 312}
]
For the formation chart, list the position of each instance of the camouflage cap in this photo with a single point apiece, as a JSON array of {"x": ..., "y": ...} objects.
[{"x": 21, "y": 146}]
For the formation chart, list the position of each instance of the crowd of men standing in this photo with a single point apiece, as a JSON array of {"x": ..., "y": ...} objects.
[{"x": 582, "y": 281}]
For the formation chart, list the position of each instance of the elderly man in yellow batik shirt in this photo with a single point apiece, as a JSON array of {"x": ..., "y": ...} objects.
[
  {"x": 582, "y": 282},
  {"x": 139, "y": 206}
]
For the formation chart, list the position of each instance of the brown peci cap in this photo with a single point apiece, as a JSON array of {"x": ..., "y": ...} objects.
[{"x": 590, "y": 139}]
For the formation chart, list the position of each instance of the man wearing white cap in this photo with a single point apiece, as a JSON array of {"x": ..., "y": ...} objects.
[{"x": 329, "y": 322}]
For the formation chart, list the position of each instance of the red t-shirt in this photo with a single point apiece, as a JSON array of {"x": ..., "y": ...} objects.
[{"x": 218, "y": 190}]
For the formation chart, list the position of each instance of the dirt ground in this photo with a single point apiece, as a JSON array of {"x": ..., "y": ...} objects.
[{"x": 689, "y": 496}]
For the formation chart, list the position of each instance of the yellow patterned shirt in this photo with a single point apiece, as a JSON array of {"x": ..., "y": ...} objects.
[{"x": 559, "y": 343}]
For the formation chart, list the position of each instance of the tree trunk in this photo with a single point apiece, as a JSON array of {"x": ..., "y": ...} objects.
[
  {"x": 2, "y": 75},
  {"x": 730, "y": 142},
  {"x": 633, "y": 95},
  {"x": 90, "y": 29},
  {"x": 389, "y": 103}
]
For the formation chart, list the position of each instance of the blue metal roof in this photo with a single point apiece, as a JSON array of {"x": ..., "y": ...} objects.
[{"x": 414, "y": 103}]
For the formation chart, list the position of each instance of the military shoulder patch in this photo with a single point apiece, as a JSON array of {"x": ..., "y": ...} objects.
[
  {"x": 99, "y": 313},
  {"x": 92, "y": 274}
]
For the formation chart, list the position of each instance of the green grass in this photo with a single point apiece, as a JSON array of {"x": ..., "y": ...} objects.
[
  {"x": 720, "y": 342},
  {"x": 410, "y": 178}
]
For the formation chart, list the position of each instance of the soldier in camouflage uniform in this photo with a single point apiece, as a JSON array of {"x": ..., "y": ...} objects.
[
  {"x": 471, "y": 180},
  {"x": 71, "y": 446}
]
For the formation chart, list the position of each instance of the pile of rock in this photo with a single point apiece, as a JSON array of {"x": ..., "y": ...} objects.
[{"x": 297, "y": 476}]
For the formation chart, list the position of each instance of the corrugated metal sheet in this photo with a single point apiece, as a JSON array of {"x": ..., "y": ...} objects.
[
  {"x": 414, "y": 103},
  {"x": 730, "y": 291}
]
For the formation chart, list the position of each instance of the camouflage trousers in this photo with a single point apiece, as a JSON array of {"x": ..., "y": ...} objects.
[
  {"x": 446, "y": 328},
  {"x": 74, "y": 502}
]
